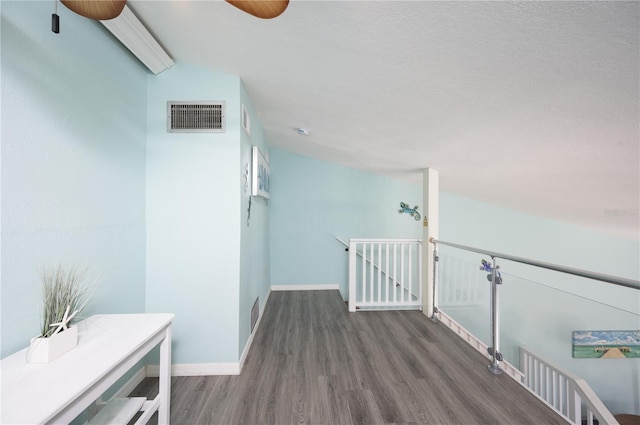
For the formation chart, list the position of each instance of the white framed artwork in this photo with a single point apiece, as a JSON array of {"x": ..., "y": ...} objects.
[{"x": 260, "y": 175}]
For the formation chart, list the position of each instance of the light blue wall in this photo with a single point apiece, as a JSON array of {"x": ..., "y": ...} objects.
[
  {"x": 254, "y": 259},
  {"x": 73, "y": 160},
  {"x": 469, "y": 222},
  {"x": 314, "y": 202},
  {"x": 74, "y": 186},
  {"x": 475, "y": 223},
  {"x": 194, "y": 217},
  {"x": 544, "y": 318}
]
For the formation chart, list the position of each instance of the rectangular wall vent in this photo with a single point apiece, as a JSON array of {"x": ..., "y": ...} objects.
[
  {"x": 196, "y": 117},
  {"x": 255, "y": 313},
  {"x": 246, "y": 121}
]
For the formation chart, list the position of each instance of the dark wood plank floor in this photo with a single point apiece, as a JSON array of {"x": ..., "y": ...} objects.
[{"x": 312, "y": 362}]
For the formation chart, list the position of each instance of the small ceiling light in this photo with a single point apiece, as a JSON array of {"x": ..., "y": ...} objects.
[{"x": 302, "y": 131}]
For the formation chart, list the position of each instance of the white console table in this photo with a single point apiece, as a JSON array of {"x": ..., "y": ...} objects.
[{"x": 108, "y": 346}]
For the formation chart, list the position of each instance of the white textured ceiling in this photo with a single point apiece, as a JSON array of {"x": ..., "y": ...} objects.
[{"x": 533, "y": 106}]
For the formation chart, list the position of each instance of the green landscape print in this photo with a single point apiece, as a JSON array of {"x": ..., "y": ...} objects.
[{"x": 606, "y": 344}]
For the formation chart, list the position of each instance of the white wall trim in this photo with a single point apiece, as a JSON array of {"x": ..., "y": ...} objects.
[
  {"x": 247, "y": 346},
  {"x": 326, "y": 287},
  {"x": 206, "y": 369},
  {"x": 197, "y": 369}
]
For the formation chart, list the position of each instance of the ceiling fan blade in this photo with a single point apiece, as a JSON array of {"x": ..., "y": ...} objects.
[
  {"x": 96, "y": 9},
  {"x": 265, "y": 9}
]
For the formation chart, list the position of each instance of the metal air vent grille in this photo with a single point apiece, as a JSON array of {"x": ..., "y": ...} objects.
[
  {"x": 255, "y": 313},
  {"x": 195, "y": 117}
]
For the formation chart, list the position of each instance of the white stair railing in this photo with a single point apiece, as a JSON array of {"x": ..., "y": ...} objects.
[
  {"x": 385, "y": 273},
  {"x": 569, "y": 395}
]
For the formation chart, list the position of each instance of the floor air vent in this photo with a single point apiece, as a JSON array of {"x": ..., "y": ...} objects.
[
  {"x": 196, "y": 117},
  {"x": 255, "y": 313}
]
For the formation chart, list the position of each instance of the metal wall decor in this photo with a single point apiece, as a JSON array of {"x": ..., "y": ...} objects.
[{"x": 413, "y": 212}]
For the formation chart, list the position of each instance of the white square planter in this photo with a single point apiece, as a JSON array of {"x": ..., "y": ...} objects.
[{"x": 44, "y": 350}]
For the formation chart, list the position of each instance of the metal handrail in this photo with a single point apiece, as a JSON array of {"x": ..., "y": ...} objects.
[{"x": 620, "y": 281}]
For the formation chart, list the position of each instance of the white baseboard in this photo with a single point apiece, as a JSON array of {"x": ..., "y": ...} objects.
[
  {"x": 205, "y": 369},
  {"x": 327, "y": 287},
  {"x": 247, "y": 346}
]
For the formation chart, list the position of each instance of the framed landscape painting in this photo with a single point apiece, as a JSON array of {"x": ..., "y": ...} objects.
[{"x": 606, "y": 344}]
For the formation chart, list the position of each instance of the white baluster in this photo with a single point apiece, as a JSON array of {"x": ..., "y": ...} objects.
[
  {"x": 387, "y": 277},
  {"x": 371, "y": 275},
  {"x": 364, "y": 272},
  {"x": 435, "y": 290},
  {"x": 410, "y": 247},
  {"x": 379, "y": 271},
  {"x": 353, "y": 250},
  {"x": 402, "y": 273},
  {"x": 395, "y": 270}
]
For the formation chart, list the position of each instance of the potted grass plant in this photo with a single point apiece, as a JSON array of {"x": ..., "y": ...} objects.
[{"x": 64, "y": 296}]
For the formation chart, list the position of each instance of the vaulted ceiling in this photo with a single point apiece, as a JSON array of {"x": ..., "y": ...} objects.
[{"x": 532, "y": 106}]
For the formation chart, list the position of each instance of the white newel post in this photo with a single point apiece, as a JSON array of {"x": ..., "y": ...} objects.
[
  {"x": 430, "y": 196},
  {"x": 352, "y": 275}
]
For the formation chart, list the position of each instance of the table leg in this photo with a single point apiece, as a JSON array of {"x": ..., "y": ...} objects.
[{"x": 165, "y": 379}]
